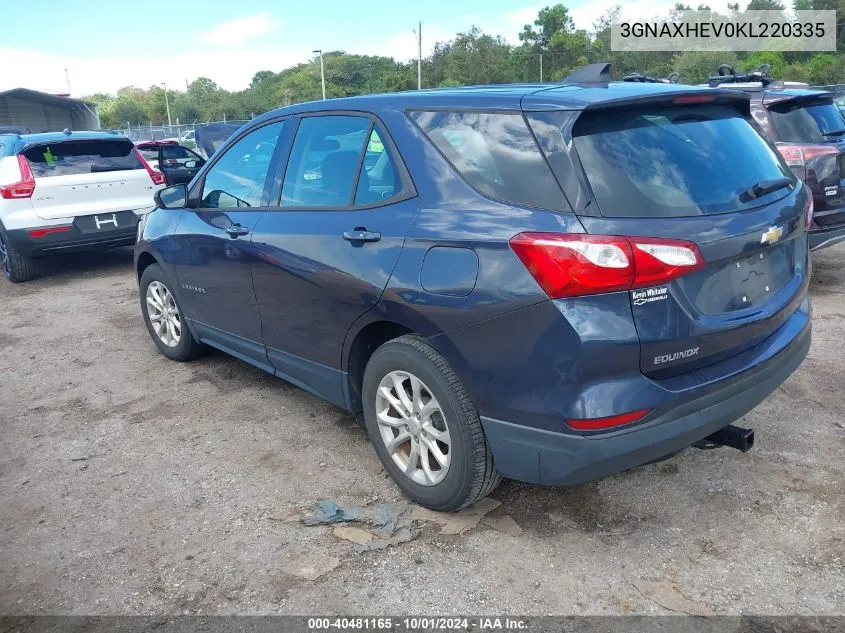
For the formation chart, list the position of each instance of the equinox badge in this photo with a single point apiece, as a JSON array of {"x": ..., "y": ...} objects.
[{"x": 771, "y": 235}]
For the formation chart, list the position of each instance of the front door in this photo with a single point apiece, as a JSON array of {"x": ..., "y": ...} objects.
[
  {"x": 179, "y": 164},
  {"x": 212, "y": 243},
  {"x": 323, "y": 256}
]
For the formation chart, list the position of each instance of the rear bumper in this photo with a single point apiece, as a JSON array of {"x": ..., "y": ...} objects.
[
  {"x": 72, "y": 239},
  {"x": 823, "y": 237},
  {"x": 541, "y": 456}
]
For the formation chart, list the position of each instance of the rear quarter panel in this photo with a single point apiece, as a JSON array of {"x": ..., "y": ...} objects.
[{"x": 454, "y": 216}]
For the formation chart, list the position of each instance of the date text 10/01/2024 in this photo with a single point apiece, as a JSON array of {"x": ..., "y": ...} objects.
[{"x": 417, "y": 624}]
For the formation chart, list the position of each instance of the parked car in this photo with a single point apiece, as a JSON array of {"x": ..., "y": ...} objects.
[
  {"x": 809, "y": 131},
  {"x": 63, "y": 191},
  {"x": 188, "y": 139},
  {"x": 178, "y": 164},
  {"x": 547, "y": 283}
]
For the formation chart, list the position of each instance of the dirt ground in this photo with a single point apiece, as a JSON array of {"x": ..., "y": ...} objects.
[{"x": 130, "y": 484}]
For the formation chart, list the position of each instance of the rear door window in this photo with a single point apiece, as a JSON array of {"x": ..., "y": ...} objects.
[
  {"x": 325, "y": 160},
  {"x": 818, "y": 123},
  {"x": 82, "y": 157},
  {"x": 379, "y": 179},
  {"x": 174, "y": 155},
  {"x": 670, "y": 162},
  {"x": 495, "y": 153}
]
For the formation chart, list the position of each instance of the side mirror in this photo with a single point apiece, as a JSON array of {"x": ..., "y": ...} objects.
[{"x": 174, "y": 197}]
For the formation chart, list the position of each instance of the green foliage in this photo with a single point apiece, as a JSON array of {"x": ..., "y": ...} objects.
[{"x": 471, "y": 57}]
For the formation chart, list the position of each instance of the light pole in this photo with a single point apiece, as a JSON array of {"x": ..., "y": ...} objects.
[
  {"x": 67, "y": 77},
  {"x": 419, "y": 56},
  {"x": 167, "y": 104},
  {"x": 322, "y": 72}
]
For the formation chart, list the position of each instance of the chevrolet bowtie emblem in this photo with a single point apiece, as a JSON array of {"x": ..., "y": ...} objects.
[{"x": 771, "y": 235}]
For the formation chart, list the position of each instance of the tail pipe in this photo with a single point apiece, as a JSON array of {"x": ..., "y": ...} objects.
[{"x": 733, "y": 436}]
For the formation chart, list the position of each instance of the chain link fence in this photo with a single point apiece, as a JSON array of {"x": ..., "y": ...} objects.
[{"x": 181, "y": 132}]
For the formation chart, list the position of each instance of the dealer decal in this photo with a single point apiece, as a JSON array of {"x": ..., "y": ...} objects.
[{"x": 649, "y": 295}]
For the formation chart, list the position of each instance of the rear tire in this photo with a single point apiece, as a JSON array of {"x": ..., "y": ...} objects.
[
  {"x": 453, "y": 464},
  {"x": 16, "y": 267},
  {"x": 164, "y": 317}
]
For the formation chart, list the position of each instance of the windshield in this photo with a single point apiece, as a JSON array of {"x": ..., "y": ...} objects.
[
  {"x": 808, "y": 124},
  {"x": 673, "y": 161}
]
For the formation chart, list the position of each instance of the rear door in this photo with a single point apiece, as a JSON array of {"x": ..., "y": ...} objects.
[
  {"x": 695, "y": 172},
  {"x": 88, "y": 177},
  {"x": 323, "y": 255}
]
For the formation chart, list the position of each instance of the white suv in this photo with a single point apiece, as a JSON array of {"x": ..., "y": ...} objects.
[{"x": 63, "y": 191}]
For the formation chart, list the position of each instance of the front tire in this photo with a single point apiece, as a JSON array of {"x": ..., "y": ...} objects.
[
  {"x": 15, "y": 266},
  {"x": 164, "y": 317},
  {"x": 424, "y": 426}
]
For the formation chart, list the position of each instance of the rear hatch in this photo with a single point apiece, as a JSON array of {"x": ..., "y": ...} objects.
[
  {"x": 811, "y": 137},
  {"x": 685, "y": 171},
  {"x": 86, "y": 177}
]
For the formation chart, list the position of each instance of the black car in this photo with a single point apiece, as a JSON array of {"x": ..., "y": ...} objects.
[
  {"x": 809, "y": 130},
  {"x": 178, "y": 163}
]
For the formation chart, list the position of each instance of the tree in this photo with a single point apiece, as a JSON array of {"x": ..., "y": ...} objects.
[
  {"x": 765, "y": 5},
  {"x": 470, "y": 57},
  {"x": 550, "y": 21}
]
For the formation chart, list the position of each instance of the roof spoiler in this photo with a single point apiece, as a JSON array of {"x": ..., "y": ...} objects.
[{"x": 591, "y": 74}]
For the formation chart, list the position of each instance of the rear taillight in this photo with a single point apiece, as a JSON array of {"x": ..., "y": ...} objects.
[
  {"x": 571, "y": 265},
  {"x": 796, "y": 156},
  {"x": 689, "y": 99},
  {"x": 156, "y": 176},
  {"x": 601, "y": 424},
  {"x": 25, "y": 187}
]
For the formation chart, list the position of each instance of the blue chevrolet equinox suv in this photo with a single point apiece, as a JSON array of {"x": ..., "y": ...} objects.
[{"x": 550, "y": 283}]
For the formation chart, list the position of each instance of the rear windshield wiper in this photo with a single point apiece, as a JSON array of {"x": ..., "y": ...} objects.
[
  {"x": 834, "y": 133},
  {"x": 763, "y": 187}
]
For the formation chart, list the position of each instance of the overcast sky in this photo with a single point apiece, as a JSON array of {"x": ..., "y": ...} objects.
[{"x": 107, "y": 45}]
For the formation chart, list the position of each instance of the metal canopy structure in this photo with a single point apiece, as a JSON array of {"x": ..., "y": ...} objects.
[{"x": 44, "y": 112}]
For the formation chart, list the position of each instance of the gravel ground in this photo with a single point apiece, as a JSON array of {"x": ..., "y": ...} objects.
[{"x": 131, "y": 484}]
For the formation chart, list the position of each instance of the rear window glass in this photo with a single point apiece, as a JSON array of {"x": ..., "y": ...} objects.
[
  {"x": 671, "y": 162},
  {"x": 495, "y": 153},
  {"x": 810, "y": 124},
  {"x": 149, "y": 153},
  {"x": 82, "y": 157}
]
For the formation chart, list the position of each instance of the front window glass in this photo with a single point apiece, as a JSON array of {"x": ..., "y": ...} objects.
[{"x": 237, "y": 179}]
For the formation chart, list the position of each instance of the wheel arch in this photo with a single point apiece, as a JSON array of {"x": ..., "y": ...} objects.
[{"x": 145, "y": 260}]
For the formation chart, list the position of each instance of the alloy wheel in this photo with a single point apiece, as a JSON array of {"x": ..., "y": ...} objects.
[
  {"x": 164, "y": 314},
  {"x": 413, "y": 427}
]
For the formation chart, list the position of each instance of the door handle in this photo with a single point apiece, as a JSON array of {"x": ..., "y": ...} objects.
[
  {"x": 360, "y": 234},
  {"x": 236, "y": 230}
]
